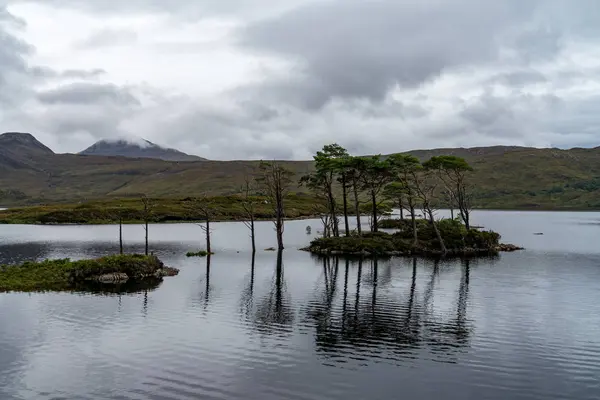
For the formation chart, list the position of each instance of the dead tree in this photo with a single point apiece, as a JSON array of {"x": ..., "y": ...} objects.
[
  {"x": 426, "y": 184},
  {"x": 249, "y": 206},
  {"x": 147, "y": 213},
  {"x": 120, "y": 233},
  {"x": 206, "y": 208},
  {"x": 276, "y": 181}
]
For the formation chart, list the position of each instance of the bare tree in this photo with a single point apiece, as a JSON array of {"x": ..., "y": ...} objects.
[
  {"x": 147, "y": 213},
  {"x": 120, "y": 232},
  {"x": 206, "y": 209},
  {"x": 454, "y": 172},
  {"x": 276, "y": 181},
  {"x": 426, "y": 183},
  {"x": 405, "y": 168},
  {"x": 249, "y": 206}
]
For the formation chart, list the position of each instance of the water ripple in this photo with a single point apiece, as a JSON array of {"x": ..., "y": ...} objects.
[{"x": 521, "y": 327}]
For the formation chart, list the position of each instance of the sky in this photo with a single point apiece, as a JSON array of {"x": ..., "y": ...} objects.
[{"x": 264, "y": 79}]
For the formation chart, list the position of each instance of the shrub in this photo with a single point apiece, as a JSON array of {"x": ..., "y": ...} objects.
[{"x": 201, "y": 253}]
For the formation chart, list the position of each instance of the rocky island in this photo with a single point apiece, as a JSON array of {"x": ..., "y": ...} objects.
[
  {"x": 64, "y": 274},
  {"x": 456, "y": 240}
]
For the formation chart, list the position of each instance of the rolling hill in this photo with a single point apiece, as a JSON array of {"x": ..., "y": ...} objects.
[{"x": 504, "y": 177}]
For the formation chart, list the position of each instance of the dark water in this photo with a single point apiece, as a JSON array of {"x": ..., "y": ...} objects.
[{"x": 522, "y": 326}]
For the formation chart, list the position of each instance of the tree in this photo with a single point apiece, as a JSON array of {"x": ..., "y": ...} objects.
[
  {"x": 395, "y": 192},
  {"x": 376, "y": 174},
  {"x": 426, "y": 182},
  {"x": 314, "y": 183},
  {"x": 405, "y": 169},
  {"x": 120, "y": 231},
  {"x": 354, "y": 168},
  {"x": 453, "y": 172},
  {"x": 205, "y": 207},
  {"x": 341, "y": 166},
  {"x": 146, "y": 215},
  {"x": 276, "y": 181},
  {"x": 249, "y": 205},
  {"x": 326, "y": 169}
]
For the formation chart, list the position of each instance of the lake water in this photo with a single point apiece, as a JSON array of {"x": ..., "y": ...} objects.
[{"x": 523, "y": 325}]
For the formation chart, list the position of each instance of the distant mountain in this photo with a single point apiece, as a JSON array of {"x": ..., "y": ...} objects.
[
  {"x": 21, "y": 151},
  {"x": 137, "y": 149}
]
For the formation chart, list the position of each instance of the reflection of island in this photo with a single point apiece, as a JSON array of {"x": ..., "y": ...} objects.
[
  {"x": 374, "y": 323},
  {"x": 129, "y": 287},
  {"x": 273, "y": 312}
]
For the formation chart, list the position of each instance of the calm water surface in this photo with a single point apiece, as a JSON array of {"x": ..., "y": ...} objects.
[{"x": 521, "y": 326}]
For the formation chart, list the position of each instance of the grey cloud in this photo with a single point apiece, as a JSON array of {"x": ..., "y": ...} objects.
[
  {"x": 357, "y": 49},
  {"x": 108, "y": 37},
  {"x": 14, "y": 71},
  {"x": 87, "y": 93},
  {"x": 184, "y": 9},
  {"x": 49, "y": 73},
  {"x": 519, "y": 78},
  {"x": 82, "y": 73},
  {"x": 509, "y": 117}
]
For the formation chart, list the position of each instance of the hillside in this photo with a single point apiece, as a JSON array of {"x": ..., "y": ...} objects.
[
  {"x": 505, "y": 177},
  {"x": 138, "y": 149}
]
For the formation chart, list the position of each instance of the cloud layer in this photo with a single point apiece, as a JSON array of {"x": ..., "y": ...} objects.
[{"x": 231, "y": 80}]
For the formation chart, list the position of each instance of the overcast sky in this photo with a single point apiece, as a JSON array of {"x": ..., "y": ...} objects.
[{"x": 233, "y": 79}]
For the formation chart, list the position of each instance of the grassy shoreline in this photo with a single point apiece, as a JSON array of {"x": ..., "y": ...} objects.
[
  {"x": 163, "y": 210},
  {"x": 66, "y": 275},
  {"x": 174, "y": 211}
]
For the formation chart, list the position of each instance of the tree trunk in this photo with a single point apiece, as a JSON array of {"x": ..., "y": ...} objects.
[
  {"x": 374, "y": 201},
  {"x": 465, "y": 216},
  {"x": 345, "y": 197},
  {"x": 208, "y": 250},
  {"x": 332, "y": 210},
  {"x": 357, "y": 208},
  {"x": 120, "y": 235},
  {"x": 146, "y": 227},
  {"x": 279, "y": 228},
  {"x": 252, "y": 236},
  {"x": 414, "y": 225},
  {"x": 401, "y": 204},
  {"x": 437, "y": 232},
  {"x": 451, "y": 211}
]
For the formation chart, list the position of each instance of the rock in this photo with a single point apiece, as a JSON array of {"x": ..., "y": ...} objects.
[
  {"x": 166, "y": 271},
  {"x": 508, "y": 247},
  {"x": 116, "y": 277}
]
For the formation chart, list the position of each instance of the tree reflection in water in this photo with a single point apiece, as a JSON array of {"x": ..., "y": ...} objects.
[
  {"x": 274, "y": 313},
  {"x": 247, "y": 298},
  {"x": 385, "y": 325}
]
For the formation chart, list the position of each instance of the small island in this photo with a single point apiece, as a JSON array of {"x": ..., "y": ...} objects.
[
  {"x": 65, "y": 275},
  {"x": 457, "y": 241}
]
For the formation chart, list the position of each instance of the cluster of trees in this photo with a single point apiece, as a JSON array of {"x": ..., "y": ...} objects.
[
  {"x": 400, "y": 178},
  {"x": 343, "y": 185}
]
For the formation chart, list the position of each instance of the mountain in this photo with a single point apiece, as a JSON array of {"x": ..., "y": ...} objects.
[
  {"x": 21, "y": 151},
  {"x": 137, "y": 149},
  {"x": 504, "y": 177}
]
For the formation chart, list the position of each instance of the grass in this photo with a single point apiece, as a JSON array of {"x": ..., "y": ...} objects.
[
  {"x": 458, "y": 240},
  {"x": 64, "y": 274},
  {"x": 225, "y": 208},
  {"x": 201, "y": 253}
]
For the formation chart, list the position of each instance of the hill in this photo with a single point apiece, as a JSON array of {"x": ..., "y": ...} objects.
[
  {"x": 21, "y": 151},
  {"x": 141, "y": 148},
  {"x": 505, "y": 177}
]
